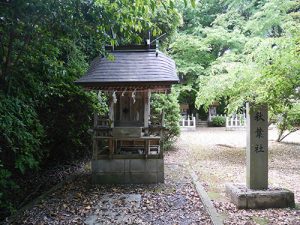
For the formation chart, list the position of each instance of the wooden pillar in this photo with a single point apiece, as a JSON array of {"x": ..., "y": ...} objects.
[
  {"x": 163, "y": 118},
  {"x": 111, "y": 118},
  {"x": 147, "y": 147},
  {"x": 95, "y": 140},
  {"x": 147, "y": 95},
  {"x": 111, "y": 111},
  {"x": 111, "y": 147},
  {"x": 162, "y": 133}
]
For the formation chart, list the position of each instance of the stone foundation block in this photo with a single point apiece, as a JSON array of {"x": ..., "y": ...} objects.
[
  {"x": 127, "y": 171},
  {"x": 245, "y": 198}
]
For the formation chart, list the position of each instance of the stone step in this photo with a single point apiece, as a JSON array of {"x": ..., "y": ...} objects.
[{"x": 201, "y": 124}]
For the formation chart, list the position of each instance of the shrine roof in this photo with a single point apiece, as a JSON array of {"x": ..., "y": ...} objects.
[{"x": 131, "y": 67}]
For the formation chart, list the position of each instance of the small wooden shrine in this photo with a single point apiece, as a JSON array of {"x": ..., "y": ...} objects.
[{"x": 127, "y": 144}]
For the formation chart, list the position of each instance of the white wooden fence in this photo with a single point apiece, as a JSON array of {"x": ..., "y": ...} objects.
[
  {"x": 188, "y": 123},
  {"x": 237, "y": 121}
]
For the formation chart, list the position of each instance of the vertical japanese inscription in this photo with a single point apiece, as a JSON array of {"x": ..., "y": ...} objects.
[
  {"x": 259, "y": 131},
  {"x": 257, "y": 147}
]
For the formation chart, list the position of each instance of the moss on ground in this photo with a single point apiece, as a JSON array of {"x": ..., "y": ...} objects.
[{"x": 260, "y": 220}]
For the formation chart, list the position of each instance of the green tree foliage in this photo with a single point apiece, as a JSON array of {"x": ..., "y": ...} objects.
[
  {"x": 266, "y": 71},
  {"x": 20, "y": 138},
  {"x": 249, "y": 52},
  {"x": 45, "y": 46},
  {"x": 199, "y": 43},
  {"x": 21, "y": 132},
  {"x": 288, "y": 121}
]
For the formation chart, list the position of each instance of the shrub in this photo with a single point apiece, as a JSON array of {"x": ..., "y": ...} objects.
[
  {"x": 66, "y": 114},
  {"x": 20, "y": 134},
  {"x": 218, "y": 121},
  {"x": 6, "y": 186},
  {"x": 20, "y": 139},
  {"x": 168, "y": 104}
]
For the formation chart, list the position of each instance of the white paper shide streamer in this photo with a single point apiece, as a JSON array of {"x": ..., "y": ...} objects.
[
  {"x": 133, "y": 95},
  {"x": 99, "y": 96},
  {"x": 114, "y": 97}
]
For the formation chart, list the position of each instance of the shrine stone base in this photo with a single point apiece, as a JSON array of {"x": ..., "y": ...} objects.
[
  {"x": 127, "y": 171},
  {"x": 245, "y": 198}
]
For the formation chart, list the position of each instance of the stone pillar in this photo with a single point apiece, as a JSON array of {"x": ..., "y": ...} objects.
[{"x": 257, "y": 147}]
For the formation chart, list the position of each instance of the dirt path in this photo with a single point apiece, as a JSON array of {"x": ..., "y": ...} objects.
[{"x": 218, "y": 156}]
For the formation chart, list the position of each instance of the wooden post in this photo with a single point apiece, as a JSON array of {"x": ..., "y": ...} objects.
[
  {"x": 111, "y": 147},
  {"x": 111, "y": 111},
  {"x": 162, "y": 132},
  {"x": 241, "y": 120},
  {"x": 147, "y": 148},
  {"x": 163, "y": 118},
  {"x": 147, "y": 95},
  {"x": 95, "y": 119},
  {"x": 111, "y": 118},
  {"x": 95, "y": 141}
]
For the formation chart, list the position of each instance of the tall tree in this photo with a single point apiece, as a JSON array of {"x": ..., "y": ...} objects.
[{"x": 230, "y": 56}]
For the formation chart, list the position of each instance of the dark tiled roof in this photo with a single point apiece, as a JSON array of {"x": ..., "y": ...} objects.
[{"x": 131, "y": 67}]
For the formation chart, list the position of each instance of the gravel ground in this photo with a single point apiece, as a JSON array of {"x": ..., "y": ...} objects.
[
  {"x": 78, "y": 202},
  {"x": 218, "y": 157}
]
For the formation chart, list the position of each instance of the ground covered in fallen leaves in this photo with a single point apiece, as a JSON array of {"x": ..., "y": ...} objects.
[
  {"x": 79, "y": 202},
  {"x": 32, "y": 185},
  {"x": 218, "y": 157}
]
